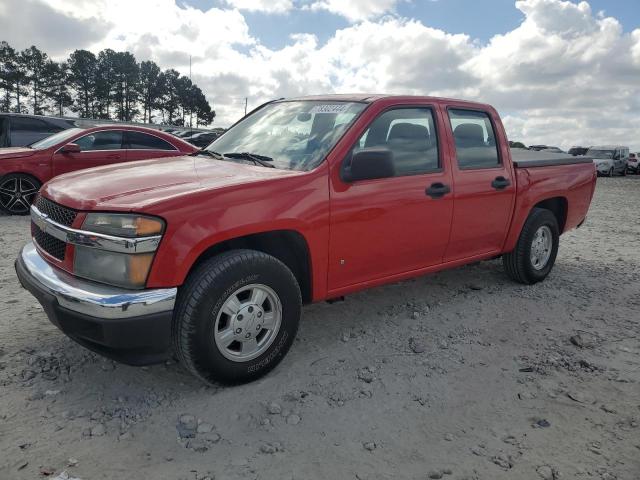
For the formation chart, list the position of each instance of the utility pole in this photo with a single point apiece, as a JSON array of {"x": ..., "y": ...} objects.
[
  {"x": 191, "y": 107},
  {"x": 245, "y": 105}
]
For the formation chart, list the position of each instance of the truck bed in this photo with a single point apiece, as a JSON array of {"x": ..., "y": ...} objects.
[{"x": 530, "y": 158}]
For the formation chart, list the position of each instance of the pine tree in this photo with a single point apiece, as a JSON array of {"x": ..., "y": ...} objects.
[
  {"x": 56, "y": 88},
  {"x": 149, "y": 88},
  {"x": 82, "y": 68},
  {"x": 33, "y": 63}
]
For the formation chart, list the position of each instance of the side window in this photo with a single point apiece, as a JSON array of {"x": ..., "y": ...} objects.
[
  {"x": 105, "y": 140},
  {"x": 410, "y": 134},
  {"x": 474, "y": 138},
  {"x": 142, "y": 141},
  {"x": 26, "y": 124}
]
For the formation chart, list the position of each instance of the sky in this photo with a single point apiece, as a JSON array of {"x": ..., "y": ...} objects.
[{"x": 560, "y": 72}]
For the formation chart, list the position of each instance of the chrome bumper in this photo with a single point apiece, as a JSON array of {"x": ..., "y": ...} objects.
[{"x": 94, "y": 299}]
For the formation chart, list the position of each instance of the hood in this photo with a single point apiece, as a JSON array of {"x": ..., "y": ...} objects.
[
  {"x": 16, "y": 152},
  {"x": 135, "y": 185}
]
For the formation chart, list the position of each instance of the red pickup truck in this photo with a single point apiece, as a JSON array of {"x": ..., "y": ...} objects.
[{"x": 211, "y": 256}]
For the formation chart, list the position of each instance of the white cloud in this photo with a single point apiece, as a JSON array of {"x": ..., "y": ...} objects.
[
  {"x": 355, "y": 10},
  {"x": 565, "y": 75},
  {"x": 267, "y": 6}
]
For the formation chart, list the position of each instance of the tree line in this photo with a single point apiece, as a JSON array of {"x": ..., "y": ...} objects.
[{"x": 110, "y": 85}]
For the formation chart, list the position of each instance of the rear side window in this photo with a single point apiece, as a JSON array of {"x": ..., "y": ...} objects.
[
  {"x": 105, "y": 140},
  {"x": 26, "y": 124},
  {"x": 143, "y": 141},
  {"x": 474, "y": 138},
  {"x": 410, "y": 134}
]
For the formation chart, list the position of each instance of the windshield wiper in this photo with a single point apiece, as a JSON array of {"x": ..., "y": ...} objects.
[
  {"x": 210, "y": 153},
  {"x": 254, "y": 157}
]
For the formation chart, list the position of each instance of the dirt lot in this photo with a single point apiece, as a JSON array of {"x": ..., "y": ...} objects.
[{"x": 458, "y": 375}]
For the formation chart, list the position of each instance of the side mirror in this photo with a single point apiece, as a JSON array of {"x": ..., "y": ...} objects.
[
  {"x": 369, "y": 164},
  {"x": 71, "y": 148}
]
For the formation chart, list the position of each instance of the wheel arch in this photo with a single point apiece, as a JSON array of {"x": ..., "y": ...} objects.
[
  {"x": 288, "y": 246},
  {"x": 559, "y": 206}
]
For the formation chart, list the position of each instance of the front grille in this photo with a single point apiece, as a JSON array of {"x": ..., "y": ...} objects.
[
  {"x": 57, "y": 213},
  {"x": 54, "y": 247}
]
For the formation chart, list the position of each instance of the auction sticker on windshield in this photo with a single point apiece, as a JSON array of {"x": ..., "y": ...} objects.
[{"x": 334, "y": 108}]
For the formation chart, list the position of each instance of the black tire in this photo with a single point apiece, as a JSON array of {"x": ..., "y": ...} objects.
[
  {"x": 624, "y": 172},
  {"x": 518, "y": 263},
  {"x": 202, "y": 297},
  {"x": 17, "y": 193}
]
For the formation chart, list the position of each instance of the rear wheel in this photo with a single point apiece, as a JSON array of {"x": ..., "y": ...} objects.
[
  {"x": 236, "y": 317},
  {"x": 535, "y": 253},
  {"x": 17, "y": 193}
]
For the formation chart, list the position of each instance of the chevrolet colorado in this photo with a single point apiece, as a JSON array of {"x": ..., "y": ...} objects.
[{"x": 211, "y": 256}]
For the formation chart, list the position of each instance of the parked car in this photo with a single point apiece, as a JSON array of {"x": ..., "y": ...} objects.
[
  {"x": 307, "y": 200},
  {"x": 633, "y": 164},
  {"x": 201, "y": 139},
  {"x": 609, "y": 159},
  {"x": 575, "y": 151},
  {"x": 552, "y": 150},
  {"x": 537, "y": 148},
  {"x": 24, "y": 170},
  {"x": 18, "y": 130}
]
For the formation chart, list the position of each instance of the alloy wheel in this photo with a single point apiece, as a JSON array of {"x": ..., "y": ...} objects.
[{"x": 17, "y": 194}]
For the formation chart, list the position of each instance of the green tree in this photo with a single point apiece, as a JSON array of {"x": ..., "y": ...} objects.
[
  {"x": 82, "y": 76},
  {"x": 13, "y": 78},
  {"x": 150, "y": 88},
  {"x": 105, "y": 82},
  {"x": 7, "y": 67},
  {"x": 204, "y": 114},
  {"x": 33, "y": 63},
  {"x": 169, "y": 103},
  {"x": 56, "y": 88},
  {"x": 127, "y": 75}
]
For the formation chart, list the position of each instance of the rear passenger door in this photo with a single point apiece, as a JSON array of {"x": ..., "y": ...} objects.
[
  {"x": 141, "y": 146},
  {"x": 484, "y": 188}
]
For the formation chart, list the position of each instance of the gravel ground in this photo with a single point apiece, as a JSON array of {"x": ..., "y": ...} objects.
[{"x": 459, "y": 375}]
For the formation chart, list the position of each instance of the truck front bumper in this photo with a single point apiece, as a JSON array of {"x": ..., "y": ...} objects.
[{"x": 130, "y": 326}]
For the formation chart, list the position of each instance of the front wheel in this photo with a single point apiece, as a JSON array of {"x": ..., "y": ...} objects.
[
  {"x": 17, "y": 193},
  {"x": 236, "y": 317},
  {"x": 535, "y": 253}
]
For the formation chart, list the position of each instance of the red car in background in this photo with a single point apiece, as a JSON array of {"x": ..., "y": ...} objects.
[{"x": 23, "y": 170}]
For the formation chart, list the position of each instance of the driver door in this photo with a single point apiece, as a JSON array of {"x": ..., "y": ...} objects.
[
  {"x": 96, "y": 149},
  {"x": 390, "y": 226}
]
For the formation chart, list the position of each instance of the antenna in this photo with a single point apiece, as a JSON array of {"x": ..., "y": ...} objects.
[{"x": 190, "y": 106}]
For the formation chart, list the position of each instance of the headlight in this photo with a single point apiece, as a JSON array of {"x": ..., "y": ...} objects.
[
  {"x": 123, "y": 225},
  {"x": 105, "y": 260}
]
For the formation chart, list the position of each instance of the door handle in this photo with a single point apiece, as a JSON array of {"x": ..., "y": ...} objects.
[
  {"x": 437, "y": 190},
  {"x": 113, "y": 156},
  {"x": 500, "y": 183}
]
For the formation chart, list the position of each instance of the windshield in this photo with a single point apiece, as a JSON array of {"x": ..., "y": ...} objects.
[
  {"x": 296, "y": 135},
  {"x": 55, "y": 139},
  {"x": 600, "y": 153}
]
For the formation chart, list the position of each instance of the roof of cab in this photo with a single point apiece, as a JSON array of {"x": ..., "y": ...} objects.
[{"x": 372, "y": 97}]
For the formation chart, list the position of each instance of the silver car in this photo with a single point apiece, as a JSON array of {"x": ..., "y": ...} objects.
[{"x": 609, "y": 159}]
